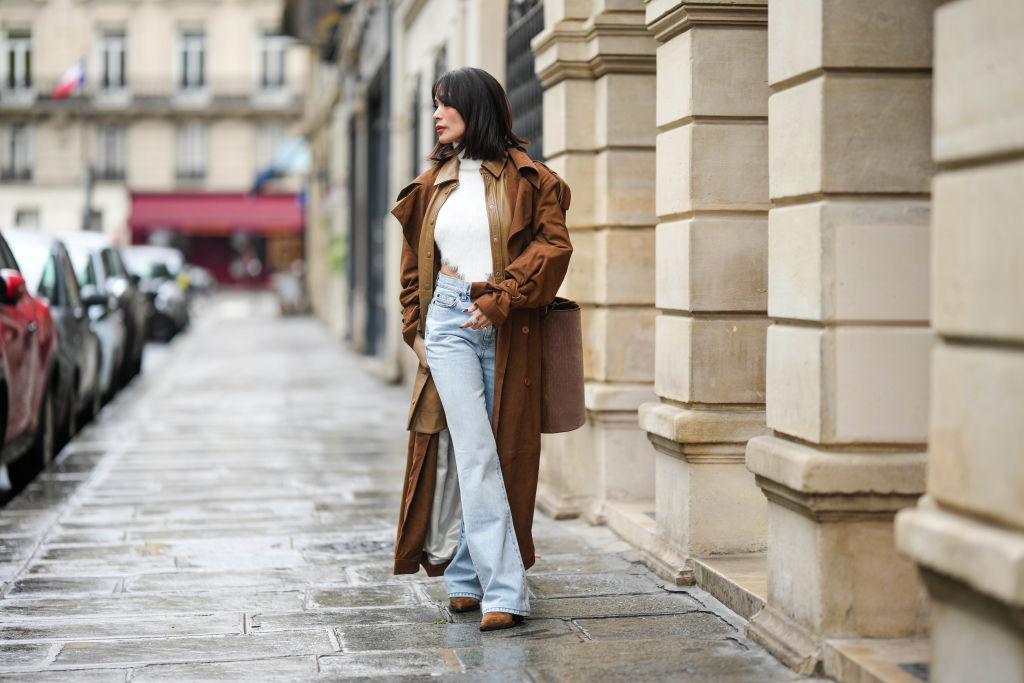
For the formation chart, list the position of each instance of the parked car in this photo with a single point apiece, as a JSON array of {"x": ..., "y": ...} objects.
[
  {"x": 28, "y": 343},
  {"x": 159, "y": 270},
  {"x": 98, "y": 264},
  {"x": 48, "y": 274},
  {"x": 106, "y": 315}
]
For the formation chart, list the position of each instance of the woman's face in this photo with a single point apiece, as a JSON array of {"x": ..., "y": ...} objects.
[{"x": 448, "y": 122}]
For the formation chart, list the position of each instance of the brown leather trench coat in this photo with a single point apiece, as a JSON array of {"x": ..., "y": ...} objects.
[{"x": 531, "y": 248}]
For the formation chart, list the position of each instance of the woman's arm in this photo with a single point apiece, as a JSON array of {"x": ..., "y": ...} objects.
[{"x": 532, "y": 279}]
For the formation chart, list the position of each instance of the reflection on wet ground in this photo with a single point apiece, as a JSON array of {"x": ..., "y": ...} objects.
[{"x": 231, "y": 516}]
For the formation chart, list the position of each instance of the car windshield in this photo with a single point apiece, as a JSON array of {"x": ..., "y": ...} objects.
[{"x": 33, "y": 256}]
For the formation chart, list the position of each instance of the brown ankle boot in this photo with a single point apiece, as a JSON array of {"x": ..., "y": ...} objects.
[
  {"x": 462, "y": 604},
  {"x": 495, "y": 621}
]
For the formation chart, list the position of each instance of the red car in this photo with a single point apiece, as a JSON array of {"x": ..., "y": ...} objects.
[{"x": 28, "y": 341}]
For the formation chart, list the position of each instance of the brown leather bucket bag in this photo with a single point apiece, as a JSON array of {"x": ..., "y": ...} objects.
[{"x": 562, "y": 402}]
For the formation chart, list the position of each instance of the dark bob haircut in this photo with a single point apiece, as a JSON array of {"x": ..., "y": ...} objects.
[{"x": 483, "y": 105}]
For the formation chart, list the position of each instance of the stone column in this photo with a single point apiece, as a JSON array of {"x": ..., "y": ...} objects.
[
  {"x": 712, "y": 246},
  {"x": 596, "y": 63},
  {"x": 847, "y": 370},
  {"x": 967, "y": 534}
]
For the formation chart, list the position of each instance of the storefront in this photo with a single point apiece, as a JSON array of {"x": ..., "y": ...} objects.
[{"x": 241, "y": 239}]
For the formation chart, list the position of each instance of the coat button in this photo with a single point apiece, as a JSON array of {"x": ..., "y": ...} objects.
[
  {"x": 526, "y": 381},
  {"x": 526, "y": 330}
]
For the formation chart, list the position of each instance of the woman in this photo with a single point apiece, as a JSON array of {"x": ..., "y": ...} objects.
[{"x": 485, "y": 249}]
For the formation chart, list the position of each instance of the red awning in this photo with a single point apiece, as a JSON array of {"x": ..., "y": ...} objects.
[{"x": 215, "y": 214}]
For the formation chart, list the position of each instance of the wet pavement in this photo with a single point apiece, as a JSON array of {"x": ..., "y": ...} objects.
[{"x": 231, "y": 515}]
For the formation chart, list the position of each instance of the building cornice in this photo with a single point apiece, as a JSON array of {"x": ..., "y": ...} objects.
[
  {"x": 614, "y": 42},
  {"x": 686, "y": 15}
]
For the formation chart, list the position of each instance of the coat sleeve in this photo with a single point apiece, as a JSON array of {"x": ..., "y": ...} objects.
[
  {"x": 407, "y": 211},
  {"x": 532, "y": 279}
]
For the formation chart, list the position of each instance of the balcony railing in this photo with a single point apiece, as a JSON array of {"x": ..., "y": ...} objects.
[{"x": 140, "y": 96}]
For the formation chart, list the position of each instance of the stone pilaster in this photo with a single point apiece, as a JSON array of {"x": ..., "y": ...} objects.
[
  {"x": 967, "y": 535},
  {"x": 712, "y": 246},
  {"x": 596, "y": 62},
  {"x": 847, "y": 366}
]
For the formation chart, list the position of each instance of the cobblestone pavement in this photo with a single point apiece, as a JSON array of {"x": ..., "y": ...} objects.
[{"x": 231, "y": 515}]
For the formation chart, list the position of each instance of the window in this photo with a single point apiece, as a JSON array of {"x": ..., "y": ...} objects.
[
  {"x": 191, "y": 152},
  {"x": 17, "y": 153},
  {"x": 111, "y": 264},
  {"x": 272, "y": 52},
  {"x": 27, "y": 217},
  {"x": 74, "y": 297},
  {"x": 19, "y": 59},
  {"x": 110, "y": 152},
  {"x": 47, "y": 287},
  {"x": 267, "y": 139},
  {"x": 193, "y": 59},
  {"x": 112, "y": 60}
]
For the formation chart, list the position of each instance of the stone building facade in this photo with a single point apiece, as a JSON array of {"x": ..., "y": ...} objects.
[
  {"x": 797, "y": 250},
  {"x": 178, "y": 97}
]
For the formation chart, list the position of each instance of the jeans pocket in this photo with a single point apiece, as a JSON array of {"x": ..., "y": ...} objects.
[{"x": 444, "y": 300}]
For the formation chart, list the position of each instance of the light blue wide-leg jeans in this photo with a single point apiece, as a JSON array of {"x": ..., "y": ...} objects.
[{"x": 487, "y": 564}]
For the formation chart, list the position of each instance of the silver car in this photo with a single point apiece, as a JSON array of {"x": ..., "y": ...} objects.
[{"x": 102, "y": 286}]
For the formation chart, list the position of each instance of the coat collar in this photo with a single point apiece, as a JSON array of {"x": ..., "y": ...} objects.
[
  {"x": 525, "y": 166},
  {"x": 449, "y": 170}
]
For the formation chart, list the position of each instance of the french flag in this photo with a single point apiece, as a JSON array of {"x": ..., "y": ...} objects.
[{"x": 72, "y": 80}]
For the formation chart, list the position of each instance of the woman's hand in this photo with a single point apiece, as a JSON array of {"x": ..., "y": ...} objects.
[
  {"x": 478, "y": 320},
  {"x": 420, "y": 348}
]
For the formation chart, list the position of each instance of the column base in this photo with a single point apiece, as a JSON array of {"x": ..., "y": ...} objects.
[
  {"x": 791, "y": 643},
  {"x": 833, "y": 569},
  {"x": 604, "y": 460},
  {"x": 558, "y": 505},
  {"x": 668, "y": 563},
  {"x": 974, "y": 574}
]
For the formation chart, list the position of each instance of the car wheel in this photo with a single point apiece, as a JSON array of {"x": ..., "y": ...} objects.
[
  {"x": 162, "y": 328},
  {"x": 45, "y": 445}
]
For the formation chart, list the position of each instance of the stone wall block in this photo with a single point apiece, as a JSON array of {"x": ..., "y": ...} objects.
[
  {"x": 979, "y": 99},
  {"x": 710, "y": 360},
  {"x": 847, "y": 260},
  {"x": 845, "y": 133},
  {"x": 851, "y": 385},
  {"x": 674, "y": 172},
  {"x": 730, "y": 72},
  {"x": 579, "y": 282},
  {"x": 624, "y": 263},
  {"x": 578, "y": 170},
  {"x": 733, "y": 174},
  {"x": 568, "y": 116},
  {"x": 795, "y": 139},
  {"x": 725, "y": 264},
  {"x": 835, "y": 33},
  {"x": 976, "y": 432},
  {"x": 713, "y": 72},
  {"x": 623, "y": 187},
  {"x": 623, "y": 114},
  {"x": 979, "y": 249},
  {"x": 618, "y": 344},
  {"x": 675, "y": 80},
  {"x": 733, "y": 163},
  {"x": 877, "y": 134},
  {"x": 788, "y": 57}
]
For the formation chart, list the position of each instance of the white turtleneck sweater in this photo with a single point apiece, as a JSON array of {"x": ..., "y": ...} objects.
[{"x": 462, "y": 231}]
